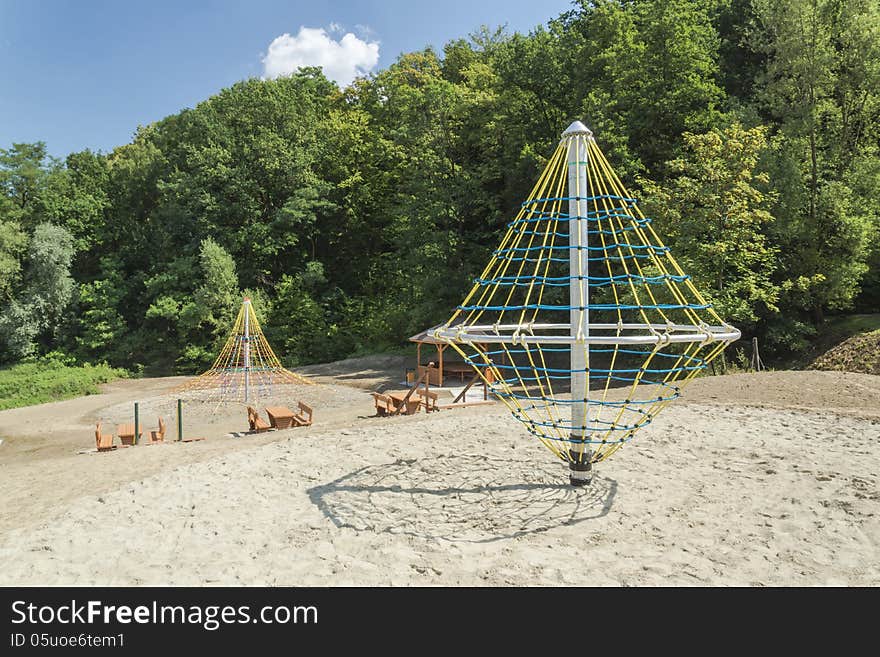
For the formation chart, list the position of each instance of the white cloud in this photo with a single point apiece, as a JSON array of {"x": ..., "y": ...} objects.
[{"x": 342, "y": 60}]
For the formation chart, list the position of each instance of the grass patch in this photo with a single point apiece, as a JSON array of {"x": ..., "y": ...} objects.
[
  {"x": 839, "y": 328},
  {"x": 27, "y": 384}
]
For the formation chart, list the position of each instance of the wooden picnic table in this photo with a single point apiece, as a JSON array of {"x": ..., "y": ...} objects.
[
  {"x": 412, "y": 404},
  {"x": 280, "y": 417},
  {"x": 125, "y": 432}
]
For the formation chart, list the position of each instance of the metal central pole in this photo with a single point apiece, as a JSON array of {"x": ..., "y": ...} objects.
[
  {"x": 247, "y": 350},
  {"x": 577, "y": 135}
]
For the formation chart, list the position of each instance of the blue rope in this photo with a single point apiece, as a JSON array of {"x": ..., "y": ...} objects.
[
  {"x": 586, "y": 441},
  {"x": 665, "y": 367},
  {"x": 588, "y": 428},
  {"x": 657, "y": 250},
  {"x": 634, "y": 256},
  {"x": 592, "y": 281},
  {"x": 593, "y": 350},
  {"x": 596, "y": 306},
  {"x": 552, "y": 401},
  {"x": 514, "y": 381},
  {"x": 595, "y": 370}
]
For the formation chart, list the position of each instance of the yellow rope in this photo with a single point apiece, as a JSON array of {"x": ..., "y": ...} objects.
[
  {"x": 228, "y": 370},
  {"x": 635, "y": 260}
]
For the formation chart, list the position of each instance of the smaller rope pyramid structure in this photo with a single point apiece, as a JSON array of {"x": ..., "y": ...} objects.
[
  {"x": 583, "y": 323},
  {"x": 246, "y": 370}
]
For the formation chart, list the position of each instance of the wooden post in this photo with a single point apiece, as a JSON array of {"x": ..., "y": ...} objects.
[
  {"x": 440, "y": 349},
  {"x": 462, "y": 396},
  {"x": 427, "y": 387},
  {"x": 485, "y": 348},
  {"x": 136, "y": 425},
  {"x": 426, "y": 376},
  {"x": 757, "y": 365},
  {"x": 179, "y": 420}
]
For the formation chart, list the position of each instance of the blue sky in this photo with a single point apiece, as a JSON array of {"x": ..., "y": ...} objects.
[{"x": 85, "y": 74}]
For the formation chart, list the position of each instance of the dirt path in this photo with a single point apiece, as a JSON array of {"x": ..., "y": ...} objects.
[
  {"x": 42, "y": 468},
  {"x": 844, "y": 393}
]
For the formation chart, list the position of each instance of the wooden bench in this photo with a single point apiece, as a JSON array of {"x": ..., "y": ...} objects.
[
  {"x": 103, "y": 441},
  {"x": 384, "y": 405},
  {"x": 428, "y": 400},
  {"x": 255, "y": 422},
  {"x": 158, "y": 435},
  {"x": 303, "y": 417}
]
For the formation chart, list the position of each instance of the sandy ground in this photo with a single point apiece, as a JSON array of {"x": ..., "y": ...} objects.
[{"x": 749, "y": 479}]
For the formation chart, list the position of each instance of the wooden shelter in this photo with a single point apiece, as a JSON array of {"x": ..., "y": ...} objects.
[{"x": 442, "y": 370}]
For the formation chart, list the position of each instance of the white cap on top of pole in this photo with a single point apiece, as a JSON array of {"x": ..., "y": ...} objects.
[{"x": 577, "y": 128}]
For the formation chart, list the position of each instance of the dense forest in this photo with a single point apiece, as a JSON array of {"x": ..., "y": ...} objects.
[{"x": 354, "y": 218}]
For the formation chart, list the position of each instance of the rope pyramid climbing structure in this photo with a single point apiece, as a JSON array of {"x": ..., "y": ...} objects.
[
  {"x": 588, "y": 325},
  {"x": 246, "y": 370}
]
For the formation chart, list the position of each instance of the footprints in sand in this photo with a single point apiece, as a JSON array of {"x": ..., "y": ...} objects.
[
  {"x": 705, "y": 495},
  {"x": 463, "y": 497}
]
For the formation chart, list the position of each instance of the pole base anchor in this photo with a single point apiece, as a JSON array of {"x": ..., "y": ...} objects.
[{"x": 580, "y": 469}]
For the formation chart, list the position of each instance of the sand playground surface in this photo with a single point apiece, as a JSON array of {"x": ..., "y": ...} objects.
[{"x": 749, "y": 479}]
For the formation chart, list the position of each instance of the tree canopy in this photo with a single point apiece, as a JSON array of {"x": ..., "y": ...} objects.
[{"x": 356, "y": 217}]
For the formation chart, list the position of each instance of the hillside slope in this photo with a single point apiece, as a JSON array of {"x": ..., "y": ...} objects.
[{"x": 858, "y": 353}]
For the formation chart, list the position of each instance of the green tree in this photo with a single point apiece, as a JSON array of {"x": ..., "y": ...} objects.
[
  {"x": 798, "y": 80},
  {"x": 76, "y": 197},
  {"x": 13, "y": 241},
  {"x": 714, "y": 214},
  {"x": 817, "y": 88},
  {"x": 356, "y": 217},
  {"x": 677, "y": 78},
  {"x": 38, "y": 308},
  {"x": 299, "y": 328},
  {"x": 23, "y": 173},
  {"x": 101, "y": 327},
  {"x": 217, "y": 298}
]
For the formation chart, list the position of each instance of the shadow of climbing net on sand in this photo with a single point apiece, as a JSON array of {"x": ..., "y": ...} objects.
[{"x": 461, "y": 497}]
